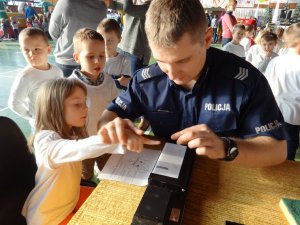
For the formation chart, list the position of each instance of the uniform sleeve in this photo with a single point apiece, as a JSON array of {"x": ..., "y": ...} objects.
[
  {"x": 128, "y": 104},
  {"x": 17, "y": 101},
  {"x": 54, "y": 150},
  {"x": 260, "y": 114}
]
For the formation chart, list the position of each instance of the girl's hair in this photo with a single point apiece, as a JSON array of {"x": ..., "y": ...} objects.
[
  {"x": 265, "y": 35},
  {"x": 49, "y": 108},
  {"x": 291, "y": 35}
]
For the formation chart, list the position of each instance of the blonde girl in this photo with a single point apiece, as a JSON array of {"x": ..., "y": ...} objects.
[{"x": 60, "y": 144}]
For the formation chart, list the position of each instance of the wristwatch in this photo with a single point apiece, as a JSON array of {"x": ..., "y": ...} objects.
[{"x": 231, "y": 149}]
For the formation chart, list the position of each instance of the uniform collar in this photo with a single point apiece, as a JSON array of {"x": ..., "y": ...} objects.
[{"x": 203, "y": 74}]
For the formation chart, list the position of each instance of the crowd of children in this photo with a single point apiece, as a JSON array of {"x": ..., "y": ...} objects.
[
  {"x": 64, "y": 112},
  {"x": 276, "y": 54}
]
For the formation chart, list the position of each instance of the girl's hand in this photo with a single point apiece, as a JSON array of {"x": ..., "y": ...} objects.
[
  {"x": 136, "y": 142},
  {"x": 124, "y": 132}
]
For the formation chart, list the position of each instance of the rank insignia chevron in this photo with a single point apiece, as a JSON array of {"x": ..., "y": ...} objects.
[
  {"x": 145, "y": 74},
  {"x": 243, "y": 74}
]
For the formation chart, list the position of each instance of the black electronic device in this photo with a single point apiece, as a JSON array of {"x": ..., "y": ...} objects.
[
  {"x": 160, "y": 206},
  {"x": 181, "y": 183},
  {"x": 164, "y": 199}
]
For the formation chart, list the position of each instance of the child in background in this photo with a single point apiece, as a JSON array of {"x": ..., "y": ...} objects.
[
  {"x": 280, "y": 43},
  {"x": 15, "y": 26},
  {"x": 117, "y": 65},
  {"x": 60, "y": 144},
  {"x": 264, "y": 52},
  {"x": 89, "y": 52},
  {"x": 248, "y": 41},
  {"x": 283, "y": 75},
  {"x": 35, "y": 48},
  {"x": 234, "y": 46}
]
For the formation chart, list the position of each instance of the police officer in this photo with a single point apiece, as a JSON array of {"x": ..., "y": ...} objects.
[{"x": 210, "y": 100}]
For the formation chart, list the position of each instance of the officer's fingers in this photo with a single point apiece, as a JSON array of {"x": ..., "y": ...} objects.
[
  {"x": 200, "y": 142},
  {"x": 193, "y": 130},
  {"x": 191, "y": 135},
  {"x": 176, "y": 135},
  {"x": 210, "y": 153},
  {"x": 201, "y": 151}
]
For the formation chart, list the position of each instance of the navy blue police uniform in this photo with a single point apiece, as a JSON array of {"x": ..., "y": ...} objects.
[{"x": 231, "y": 96}]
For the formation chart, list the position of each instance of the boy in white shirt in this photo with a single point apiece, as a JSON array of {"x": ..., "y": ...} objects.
[
  {"x": 234, "y": 46},
  {"x": 117, "y": 65},
  {"x": 248, "y": 41},
  {"x": 283, "y": 75},
  {"x": 260, "y": 55},
  {"x": 35, "y": 48},
  {"x": 89, "y": 52}
]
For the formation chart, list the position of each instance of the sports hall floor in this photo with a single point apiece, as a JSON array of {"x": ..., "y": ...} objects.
[{"x": 11, "y": 62}]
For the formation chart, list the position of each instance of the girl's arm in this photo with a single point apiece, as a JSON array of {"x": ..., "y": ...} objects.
[{"x": 53, "y": 150}]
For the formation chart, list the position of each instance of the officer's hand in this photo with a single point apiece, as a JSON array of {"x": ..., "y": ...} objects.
[
  {"x": 124, "y": 81},
  {"x": 203, "y": 139}
]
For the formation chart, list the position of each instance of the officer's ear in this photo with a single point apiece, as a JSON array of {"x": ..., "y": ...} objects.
[
  {"x": 208, "y": 38},
  {"x": 76, "y": 57}
]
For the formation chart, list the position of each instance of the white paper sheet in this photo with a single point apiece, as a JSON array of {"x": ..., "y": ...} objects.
[
  {"x": 170, "y": 161},
  {"x": 133, "y": 168}
]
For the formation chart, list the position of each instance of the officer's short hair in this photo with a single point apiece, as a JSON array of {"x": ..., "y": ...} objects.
[
  {"x": 291, "y": 35},
  {"x": 33, "y": 32},
  {"x": 168, "y": 20},
  {"x": 85, "y": 34},
  {"x": 108, "y": 25}
]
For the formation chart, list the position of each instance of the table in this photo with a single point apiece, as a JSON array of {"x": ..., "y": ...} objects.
[{"x": 219, "y": 191}]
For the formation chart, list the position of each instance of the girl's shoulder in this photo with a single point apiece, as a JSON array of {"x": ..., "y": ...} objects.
[{"x": 46, "y": 135}]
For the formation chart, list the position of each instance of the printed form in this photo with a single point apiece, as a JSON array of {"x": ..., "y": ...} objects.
[{"x": 135, "y": 168}]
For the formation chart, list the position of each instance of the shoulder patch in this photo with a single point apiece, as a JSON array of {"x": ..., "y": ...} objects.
[
  {"x": 149, "y": 72},
  {"x": 243, "y": 74},
  {"x": 145, "y": 73}
]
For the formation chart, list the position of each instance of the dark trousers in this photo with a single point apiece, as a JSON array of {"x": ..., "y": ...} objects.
[{"x": 215, "y": 35}]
